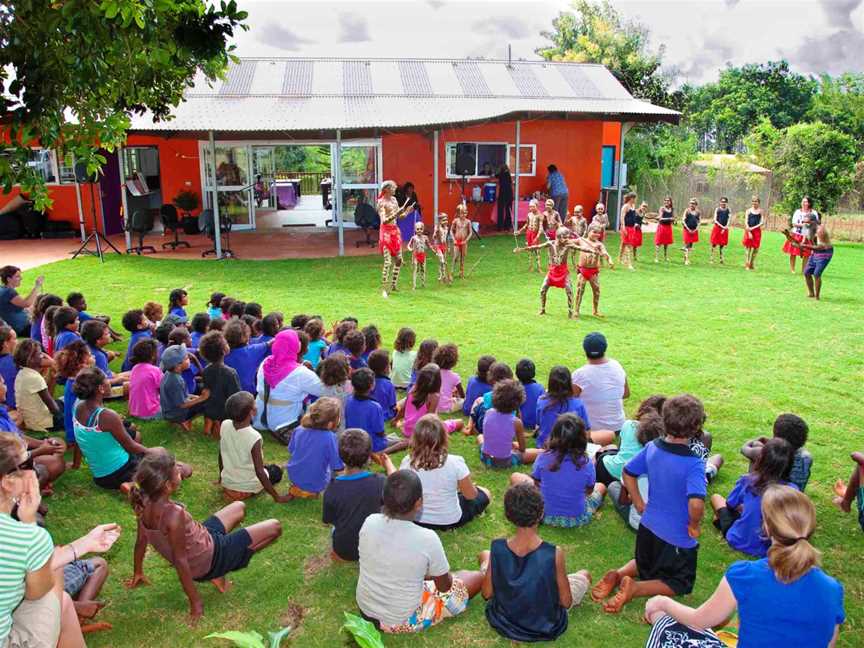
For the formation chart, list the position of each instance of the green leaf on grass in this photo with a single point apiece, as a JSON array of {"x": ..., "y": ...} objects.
[
  {"x": 240, "y": 639},
  {"x": 364, "y": 633},
  {"x": 277, "y": 637}
]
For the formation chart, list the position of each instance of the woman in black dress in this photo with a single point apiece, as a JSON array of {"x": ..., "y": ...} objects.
[{"x": 505, "y": 198}]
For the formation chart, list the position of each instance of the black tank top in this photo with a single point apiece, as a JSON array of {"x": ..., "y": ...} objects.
[
  {"x": 753, "y": 219},
  {"x": 639, "y": 219},
  {"x": 691, "y": 220},
  {"x": 723, "y": 217},
  {"x": 667, "y": 215},
  {"x": 630, "y": 218}
]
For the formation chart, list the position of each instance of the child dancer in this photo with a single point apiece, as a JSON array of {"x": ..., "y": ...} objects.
[
  {"x": 600, "y": 219},
  {"x": 663, "y": 237},
  {"x": 313, "y": 448},
  {"x": 720, "y": 231},
  {"x": 390, "y": 240},
  {"x": 752, "y": 233},
  {"x": 590, "y": 252},
  {"x": 461, "y": 231},
  {"x": 627, "y": 227},
  {"x": 418, "y": 245},
  {"x": 690, "y": 230},
  {"x": 220, "y": 380},
  {"x": 576, "y": 223},
  {"x": 439, "y": 244},
  {"x": 533, "y": 225},
  {"x": 559, "y": 272},
  {"x": 551, "y": 220},
  {"x": 199, "y": 552}
]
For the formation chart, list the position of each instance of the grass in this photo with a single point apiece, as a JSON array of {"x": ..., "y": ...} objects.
[{"x": 748, "y": 343}]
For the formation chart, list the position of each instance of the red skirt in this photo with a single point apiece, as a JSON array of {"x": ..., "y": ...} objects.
[
  {"x": 794, "y": 250},
  {"x": 636, "y": 241},
  {"x": 663, "y": 235},
  {"x": 690, "y": 237},
  {"x": 627, "y": 235},
  {"x": 588, "y": 273},
  {"x": 531, "y": 237},
  {"x": 558, "y": 275},
  {"x": 442, "y": 249},
  {"x": 390, "y": 239},
  {"x": 719, "y": 236},
  {"x": 550, "y": 234},
  {"x": 420, "y": 257},
  {"x": 753, "y": 238}
]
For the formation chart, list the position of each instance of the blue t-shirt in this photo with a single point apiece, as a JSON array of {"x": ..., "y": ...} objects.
[
  {"x": 84, "y": 316},
  {"x": 136, "y": 337},
  {"x": 6, "y": 422},
  {"x": 9, "y": 371},
  {"x": 179, "y": 311},
  {"x": 474, "y": 390},
  {"x": 189, "y": 378},
  {"x": 13, "y": 315},
  {"x": 196, "y": 338},
  {"x": 547, "y": 412},
  {"x": 745, "y": 534},
  {"x": 533, "y": 391},
  {"x": 801, "y": 614},
  {"x": 356, "y": 362},
  {"x": 261, "y": 339},
  {"x": 556, "y": 184},
  {"x": 675, "y": 476},
  {"x": 64, "y": 339},
  {"x": 36, "y": 331},
  {"x": 384, "y": 393},
  {"x": 101, "y": 360},
  {"x": 314, "y": 456},
  {"x": 69, "y": 399},
  {"x": 314, "y": 352},
  {"x": 335, "y": 347},
  {"x": 563, "y": 489},
  {"x": 214, "y": 312},
  {"x": 367, "y": 414},
  {"x": 245, "y": 361}
]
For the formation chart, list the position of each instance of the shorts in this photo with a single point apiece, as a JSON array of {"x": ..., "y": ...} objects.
[
  {"x": 860, "y": 502},
  {"x": 754, "y": 240},
  {"x": 588, "y": 273},
  {"x": 669, "y": 632},
  {"x": 390, "y": 239},
  {"x": 434, "y": 607},
  {"x": 663, "y": 235},
  {"x": 726, "y": 517},
  {"x": 420, "y": 257},
  {"x": 274, "y": 474},
  {"x": 231, "y": 551},
  {"x": 75, "y": 574},
  {"x": 35, "y": 624},
  {"x": 470, "y": 510},
  {"x": 603, "y": 475},
  {"x": 122, "y": 475},
  {"x": 690, "y": 237},
  {"x": 592, "y": 503},
  {"x": 656, "y": 559},
  {"x": 515, "y": 459},
  {"x": 817, "y": 263},
  {"x": 719, "y": 236}
]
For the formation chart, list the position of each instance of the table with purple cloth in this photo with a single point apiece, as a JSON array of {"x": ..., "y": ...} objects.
[{"x": 286, "y": 195}]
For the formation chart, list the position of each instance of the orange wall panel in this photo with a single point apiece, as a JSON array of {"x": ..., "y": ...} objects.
[{"x": 612, "y": 136}]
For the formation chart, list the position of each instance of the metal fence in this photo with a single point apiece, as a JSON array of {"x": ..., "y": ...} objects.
[{"x": 310, "y": 181}]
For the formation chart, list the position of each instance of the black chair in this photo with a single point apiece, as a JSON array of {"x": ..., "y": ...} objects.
[
  {"x": 170, "y": 221},
  {"x": 205, "y": 222},
  {"x": 367, "y": 219},
  {"x": 140, "y": 224}
]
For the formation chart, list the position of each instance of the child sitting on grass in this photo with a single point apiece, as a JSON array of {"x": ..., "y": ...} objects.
[
  {"x": 180, "y": 335},
  {"x": 497, "y": 372},
  {"x": 384, "y": 393},
  {"x": 478, "y": 384},
  {"x": 271, "y": 324},
  {"x": 38, "y": 323},
  {"x": 70, "y": 362},
  {"x": 339, "y": 333},
  {"x": 8, "y": 368},
  {"x": 48, "y": 331},
  {"x": 452, "y": 398},
  {"x": 38, "y": 409},
  {"x": 355, "y": 494},
  {"x": 525, "y": 372},
  {"x": 243, "y": 357},
  {"x": 144, "y": 381},
  {"x": 65, "y": 326},
  {"x": 403, "y": 357},
  {"x": 313, "y": 448},
  {"x": 526, "y": 585},
  {"x": 421, "y": 400},
  {"x": 178, "y": 299},
  {"x": 317, "y": 344},
  {"x": 425, "y": 353},
  {"x": 334, "y": 372},
  {"x": 853, "y": 489},
  {"x": 502, "y": 444},
  {"x": 242, "y": 471},
  {"x": 154, "y": 313},
  {"x": 198, "y": 328},
  {"x": 565, "y": 475},
  {"x": 558, "y": 400},
  {"x": 76, "y": 300},
  {"x": 666, "y": 545},
  {"x": 198, "y": 552},
  {"x": 139, "y": 328},
  {"x": 97, "y": 335},
  {"x": 794, "y": 429},
  {"x": 220, "y": 381},
  {"x": 373, "y": 340},
  {"x": 365, "y": 413},
  {"x": 175, "y": 402},
  {"x": 214, "y": 306},
  {"x": 355, "y": 346},
  {"x": 739, "y": 516},
  {"x": 635, "y": 434}
]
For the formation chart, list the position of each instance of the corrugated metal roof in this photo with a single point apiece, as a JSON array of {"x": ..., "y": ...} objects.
[{"x": 325, "y": 94}]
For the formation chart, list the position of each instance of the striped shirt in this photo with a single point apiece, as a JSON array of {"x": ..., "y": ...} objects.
[{"x": 24, "y": 548}]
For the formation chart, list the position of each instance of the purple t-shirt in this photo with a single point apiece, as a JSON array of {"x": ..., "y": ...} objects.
[
  {"x": 533, "y": 391},
  {"x": 547, "y": 414},
  {"x": 498, "y": 434},
  {"x": 675, "y": 476},
  {"x": 64, "y": 339},
  {"x": 314, "y": 456},
  {"x": 136, "y": 337},
  {"x": 245, "y": 361},
  {"x": 475, "y": 389},
  {"x": 366, "y": 414},
  {"x": 563, "y": 489},
  {"x": 745, "y": 534},
  {"x": 6, "y": 422},
  {"x": 9, "y": 371},
  {"x": 384, "y": 393},
  {"x": 356, "y": 363}
]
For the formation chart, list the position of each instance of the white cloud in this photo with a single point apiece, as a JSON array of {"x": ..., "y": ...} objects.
[{"x": 353, "y": 28}]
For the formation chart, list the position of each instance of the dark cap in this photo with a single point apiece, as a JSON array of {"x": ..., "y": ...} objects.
[{"x": 594, "y": 345}]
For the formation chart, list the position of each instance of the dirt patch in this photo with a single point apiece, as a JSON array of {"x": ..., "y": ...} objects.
[
  {"x": 315, "y": 564},
  {"x": 293, "y": 617}
]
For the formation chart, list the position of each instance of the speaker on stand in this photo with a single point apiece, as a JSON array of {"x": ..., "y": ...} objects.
[
  {"x": 466, "y": 165},
  {"x": 99, "y": 240}
]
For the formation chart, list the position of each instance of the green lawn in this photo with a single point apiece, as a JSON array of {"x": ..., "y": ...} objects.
[{"x": 749, "y": 344}]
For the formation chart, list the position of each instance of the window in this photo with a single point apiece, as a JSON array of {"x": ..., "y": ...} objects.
[
  {"x": 607, "y": 166},
  {"x": 527, "y": 159},
  {"x": 45, "y": 164},
  {"x": 483, "y": 159},
  {"x": 66, "y": 167}
]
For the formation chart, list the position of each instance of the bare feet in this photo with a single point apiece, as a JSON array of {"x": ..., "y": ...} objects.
[
  {"x": 89, "y": 628},
  {"x": 605, "y": 587},
  {"x": 88, "y": 609},
  {"x": 624, "y": 596},
  {"x": 599, "y": 315},
  {"x": 542, "y": 311},
  {"x": 222, "y": 584}
]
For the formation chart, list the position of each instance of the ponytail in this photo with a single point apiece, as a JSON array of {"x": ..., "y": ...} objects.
[
  {"x": 790, "y": 520},
  {"x": 137, "y": 499},
  {"x": 153, "y": 474}
]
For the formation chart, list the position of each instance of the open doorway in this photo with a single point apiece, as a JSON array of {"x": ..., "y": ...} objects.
[
  {"x": 292, "y": 184},
  {"x": 141, "y": 175}
]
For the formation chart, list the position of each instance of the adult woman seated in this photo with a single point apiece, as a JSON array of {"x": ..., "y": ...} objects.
[
  {"x": 283, "y": 383},
  {"x": 106, "y": 444},
  {"x": 783, "y": 601},
  {"x": 13, "y": 307}
]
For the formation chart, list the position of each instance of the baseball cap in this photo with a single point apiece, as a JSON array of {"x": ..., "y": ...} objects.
[
  {"x": 173, "y": 356},
  {"x": 594, "y": 345}
]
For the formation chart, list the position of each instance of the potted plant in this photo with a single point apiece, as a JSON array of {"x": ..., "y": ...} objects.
[{"x": 186, "y": 201}]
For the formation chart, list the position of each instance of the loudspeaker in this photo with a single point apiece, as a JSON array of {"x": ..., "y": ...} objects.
[
  {"x": 81, "y": 174},
  {"x": 466, "y": 163}
]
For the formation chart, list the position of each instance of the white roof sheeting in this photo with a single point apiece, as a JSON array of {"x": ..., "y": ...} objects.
[{"x": 296, "y": 94}]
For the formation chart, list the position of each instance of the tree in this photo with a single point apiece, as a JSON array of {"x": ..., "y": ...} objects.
[
  {"x": 72, "y": 71},
  {"x": 723, "y": 112},
  {"x": 654, "y": 154},
  {"x": 808, "y": 159},
  {"x": 596, "y": 33},
  {"x": 840, "y": 104}
]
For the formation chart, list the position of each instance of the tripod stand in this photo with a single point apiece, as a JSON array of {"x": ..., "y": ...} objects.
[
  {"x": 94, "y": 236},
  {"x": 465, "y": 202}
]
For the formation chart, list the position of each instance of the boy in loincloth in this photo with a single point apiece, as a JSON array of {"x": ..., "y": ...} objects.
[
  {"x": 558, "y": 274},
  {"x": 591, "y": 249},
  {"x": 462, "y": 232},
  {"x": 418, "y": 245},
  {"x": 576, "y": 223},
  {"x": 601, "y": 219},
  {"x": 532, "y": 227},
  {"x": 551, "y": 220},
  {"x": 439, "y": 245}
]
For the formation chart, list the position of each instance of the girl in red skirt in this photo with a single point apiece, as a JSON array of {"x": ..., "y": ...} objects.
[
  {"x": 418, "y": 245},
  {"x": 389, "y": 238},
  {"x": 690, "y": 231},
  {"x": 627, "y": 229},
  {"x": 752, "y": 233},
  {"x": 720, "y": 231},
  {"x": 636, "y": 240},
  {"x": 663, "y": 237},
  {"x": 799, "y": 231}
]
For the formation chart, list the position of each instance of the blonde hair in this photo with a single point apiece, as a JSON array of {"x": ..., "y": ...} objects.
[
  {"x": 11, "y": 447},
  {"x": 789, "y": 519},
  {"x": 323, "y": 412},
  {"x": 461, "y": 209},
  {"x": 389, "y": 183}
]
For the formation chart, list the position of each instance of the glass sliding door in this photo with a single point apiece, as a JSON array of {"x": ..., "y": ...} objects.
[
  {"x": 361, "y": 178},
  {"x": 233, "y": 182}
]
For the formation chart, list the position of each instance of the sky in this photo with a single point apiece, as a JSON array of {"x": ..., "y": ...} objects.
[{"x": 699, "y": 37}]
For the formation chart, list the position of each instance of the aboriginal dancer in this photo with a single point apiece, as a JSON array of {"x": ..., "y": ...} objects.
[
  {"x": 821, "y": 252},
  {"x": 752, "y": 233},
  {"x": 533, "y": 225},
  {"x": 720, "y": 231},
  {"x": 418, "y": 245},
  {"x": 797, "y": 229},
  {"x": 439, "y": 243},
  {"x": 600, "y": 219},
  {"x": 389, "y": 239},
  {"x": 663, "y": 237},
  {"x": 461, "y": 231},
  {"x": 558, "y": 275},
  {"x": 591, "y": 250}
]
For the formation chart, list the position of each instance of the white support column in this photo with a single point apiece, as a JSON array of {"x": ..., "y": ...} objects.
[
  {"x": 625, "y": 126},
  {"x": 217, "y": 230},
  {"x": 81, "y": 211},
  {"x": 337, "y": 192},
  {"x": 435, "y": 136},
  {"x": 516, "y": 173},
  {"x": 125, "y": 203}
]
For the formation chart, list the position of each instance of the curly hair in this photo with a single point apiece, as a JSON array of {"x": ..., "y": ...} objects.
[
  {"x": 355, "y": 447},
  {"x": 88, "y": 383},
  {"x": 180, "y": 335},
  {"x": 24, "y": 351},
  {"x": 507, "y": 396},
  {"x": 153, "y": 311},
  {"x": 72, "y": 358},
  {"x": 323, "y": 413},
  {"x": 379, "y": 363},
  {"x": 333, "y": 370},
  {"x": 212, "y": 347},
  {"x": 299, "y": 321},
  {"x": 523, "y": 505},
  {"x": 342, "y": 328},
  {"x": 425, "y": 353},
  {"x": 446, "y": 356},
  {"x": 238, "y": 309},
  {"x": 48, "y": 320},
  {"x": 236, "y": 333},
  {"x": 163, "y": 331},
  {"x": 216, "y": 324},
  {"x": 653, "y": 403},
  {"x": 405, "y": 339},
  {"x": 429, "y": 443},
  {"x": 144, "y": 352},
  {"x": 792, "y": 428},
  {"x": 92, "y": 331},
  {"x": 649, "y": 427},
  {"x": 314, "y": 329},
  {"x": 132, "y": 320},
  {"x": 354, "y": 342},
  {"x": 683, "y": 416},
  {"x": 362, "y": 381}
]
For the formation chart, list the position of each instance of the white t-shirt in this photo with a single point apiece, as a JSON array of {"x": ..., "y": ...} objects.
[
  {"x": 440, "y": 490},
  {"x": 286, "y": 398},
  {"x": 235, "y": 447},
  {"x": 798, "y": 226},
  {"x": 602, "y": 394},
  {"x": 396, "y": 556}
]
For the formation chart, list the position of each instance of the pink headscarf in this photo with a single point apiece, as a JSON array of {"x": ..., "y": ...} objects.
[{"x": 283, "y": 358}]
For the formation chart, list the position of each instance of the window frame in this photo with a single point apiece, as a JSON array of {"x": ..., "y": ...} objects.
[
  {"x": 477, "y": 143},
  {"x": 533, "y": 148}
]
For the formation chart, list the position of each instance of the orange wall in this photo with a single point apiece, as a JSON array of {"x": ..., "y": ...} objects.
[{"x": 612, "y": 136}]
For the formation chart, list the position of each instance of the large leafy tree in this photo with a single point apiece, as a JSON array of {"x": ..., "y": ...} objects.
[
  {"x": 840, "y": 104},
  {"x": 722, "y": 113},
  {"x": 72, "y": 71},
  {"x": 654, "y": 155}
]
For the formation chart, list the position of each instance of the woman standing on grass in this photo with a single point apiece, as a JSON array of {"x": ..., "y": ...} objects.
[
  {"x": 801, "y": 224},
  {"x": 663, "y": 236},
  {"x": 753, "y": 233}
]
